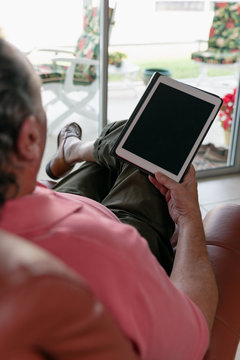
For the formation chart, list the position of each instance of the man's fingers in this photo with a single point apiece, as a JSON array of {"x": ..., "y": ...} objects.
[
  {"x": 191, "y": 173},
  {"x": 163, "y": 190},
  {"x": 165, "y": 181}
]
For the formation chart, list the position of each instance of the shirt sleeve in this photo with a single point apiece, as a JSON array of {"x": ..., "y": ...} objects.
[{"x": 169, "y": 325}]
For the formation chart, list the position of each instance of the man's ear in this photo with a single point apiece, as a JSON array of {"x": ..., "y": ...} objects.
[{"x": 28, "y": 139}]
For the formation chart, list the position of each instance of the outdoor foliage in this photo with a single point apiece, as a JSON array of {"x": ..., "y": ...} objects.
[{"x": 226, "y": 112}]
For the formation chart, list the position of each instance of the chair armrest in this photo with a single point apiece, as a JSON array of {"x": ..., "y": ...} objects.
[
  {"x": 40, "y": 56},
  {"x": 76, "y": 60},
  {"x": 200, "y": 42},
  {"x": 57, "y": 50},
  {"x": 222, "y": 228},
  {"x": 73, "y": 61}
]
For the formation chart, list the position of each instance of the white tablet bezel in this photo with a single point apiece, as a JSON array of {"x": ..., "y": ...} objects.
[{"x": 145, "y": 164}]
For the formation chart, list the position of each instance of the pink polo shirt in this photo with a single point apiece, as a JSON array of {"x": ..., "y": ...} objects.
[{"x": 118, "y": 266}]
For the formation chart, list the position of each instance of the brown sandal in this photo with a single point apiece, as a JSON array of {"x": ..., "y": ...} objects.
[{"x": 58, "y": 166}]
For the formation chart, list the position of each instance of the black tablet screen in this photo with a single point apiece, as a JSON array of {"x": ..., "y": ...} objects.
[{"x": 168, "y": 128}]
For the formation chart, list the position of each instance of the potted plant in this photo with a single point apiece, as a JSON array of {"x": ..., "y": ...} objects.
[
  {"x": 226, "y": 114},
  {"x": 147, "y": 73},
  {"x": 116, "y": 58}
]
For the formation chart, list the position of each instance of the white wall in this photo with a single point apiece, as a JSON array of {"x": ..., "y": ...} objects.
[
  {"x": 31, "y": 23},
  {"x": 138, "y": 22}
]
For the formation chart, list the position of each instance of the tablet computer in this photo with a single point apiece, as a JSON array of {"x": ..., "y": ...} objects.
[{"x": 167, "y": 127}]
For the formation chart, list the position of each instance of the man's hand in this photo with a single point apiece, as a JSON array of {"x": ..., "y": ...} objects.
[{"x": 182, "y": 198}]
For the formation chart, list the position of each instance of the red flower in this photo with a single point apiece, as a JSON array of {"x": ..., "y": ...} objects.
[
  {"x": 211, "y": 32},
  {"x": 84, "y": 22},
  {"x": 229, "y": 24},
  {"x": 81, "y": 43},
  {"x": 226, "y": 112},
  {"x": 89, "y": 54},
  {"x": 221, "y": 5},
  {"x": 94, "y": 11}
]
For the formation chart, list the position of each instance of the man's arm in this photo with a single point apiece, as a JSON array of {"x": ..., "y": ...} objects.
[{"x": 192, "y": 272}]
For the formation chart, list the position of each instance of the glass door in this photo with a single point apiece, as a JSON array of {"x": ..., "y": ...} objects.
[
  {"x": 63, "y": 43},
  {"x": 67, "y": 45},
  {"x": 173, "y": 37}
]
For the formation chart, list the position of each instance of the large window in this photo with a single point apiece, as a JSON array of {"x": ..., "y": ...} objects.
[
  {"x": 63, "y": 44},
  {"x": 144, "y": 36},
  {"x": 171, "y": 36}
]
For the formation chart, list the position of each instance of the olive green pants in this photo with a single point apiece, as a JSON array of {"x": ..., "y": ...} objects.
[{"x": 127, "y": 192}]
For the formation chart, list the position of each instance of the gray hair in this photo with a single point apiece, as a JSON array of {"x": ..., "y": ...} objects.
[{"x": 18, "y": 99}]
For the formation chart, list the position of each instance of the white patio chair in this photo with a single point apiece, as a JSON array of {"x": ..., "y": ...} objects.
[{"x": 72, "y": 76}]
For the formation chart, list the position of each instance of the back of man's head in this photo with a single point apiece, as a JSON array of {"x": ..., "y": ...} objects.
[{"x": 19, "y": 98}]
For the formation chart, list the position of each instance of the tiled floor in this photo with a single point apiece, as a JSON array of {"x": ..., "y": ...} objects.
[
  {"x": 218, "y": 190},
  {"x": 212, "y": 191},
  {"x": 238, "y": 354}
]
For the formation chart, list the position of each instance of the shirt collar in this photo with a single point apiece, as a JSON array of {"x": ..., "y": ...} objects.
[{"x": 38, "y": 210}]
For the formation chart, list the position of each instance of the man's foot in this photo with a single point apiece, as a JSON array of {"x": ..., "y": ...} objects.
[{"x": 60, "y": 166}]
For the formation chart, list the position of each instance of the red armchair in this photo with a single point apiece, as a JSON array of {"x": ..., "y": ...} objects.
[{"x": 222, "y": 227}]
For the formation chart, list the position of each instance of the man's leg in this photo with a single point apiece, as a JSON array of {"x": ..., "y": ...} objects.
[
  {"x": 134, "y": 200},
  {"x": 90, "y": 180},
  {"x": 136, "y": 203},
  {"x": 126, "y": 191}
]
